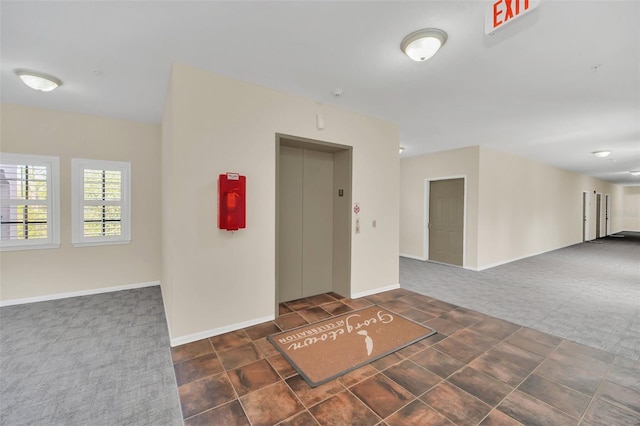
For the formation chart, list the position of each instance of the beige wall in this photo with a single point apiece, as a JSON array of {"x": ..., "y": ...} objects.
[
  {"x": 221, "y": 280},
  {"x": 414, "y": 171},
  {"x": 40, "y": 273},
  {"x": 515, "y": 207},
  {"x": 528, "y": 208},
  {"x": 629, "y": 215}
]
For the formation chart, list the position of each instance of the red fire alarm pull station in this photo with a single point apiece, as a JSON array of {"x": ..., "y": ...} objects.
[{"x": 231, "y": 201}]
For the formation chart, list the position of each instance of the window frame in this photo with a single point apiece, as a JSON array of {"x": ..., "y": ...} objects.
[
  {"x": 78, "y": 166},
  {"x": 52, "y": 164}
]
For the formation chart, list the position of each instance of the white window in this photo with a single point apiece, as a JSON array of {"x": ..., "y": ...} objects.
[
  {"x": 101, "y": 202},
  {"x": 29, "y": 202}
]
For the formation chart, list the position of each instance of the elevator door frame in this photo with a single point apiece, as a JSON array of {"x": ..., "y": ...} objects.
[{"x": 341, "y": 264}]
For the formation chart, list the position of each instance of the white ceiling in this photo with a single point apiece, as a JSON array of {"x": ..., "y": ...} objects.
[{"x": 552, "y": 86}]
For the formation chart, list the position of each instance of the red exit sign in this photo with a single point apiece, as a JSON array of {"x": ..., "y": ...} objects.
[{"x": 502, "y": 12}]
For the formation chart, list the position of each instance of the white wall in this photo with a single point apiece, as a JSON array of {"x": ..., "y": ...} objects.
[
  {"x": 515, "y": 207},
  {"x": 414, "y": 171},
  {"x": 629, "y": 215},
  {"x": 48, "y": 273},
  {"x": 527, "y": 208},
  {"x": 220, "y": 280}
]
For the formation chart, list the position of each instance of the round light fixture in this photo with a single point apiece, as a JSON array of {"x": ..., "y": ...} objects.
[
  {"x": 601, "y": 154},
  {"x": 423, "y": 44},
  {"x": 38, "y": 81}
]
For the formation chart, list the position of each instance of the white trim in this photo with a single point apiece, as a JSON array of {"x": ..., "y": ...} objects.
[
  {"x": 410, "y": 256},
  {"x": 503, "y": 262},
  {"x": 78, "y": 165},
  {"x": 53, "y": 201},
  {"x": 375, "y": 291},
  {"x": 48, "y": 297},
  {"x": 425, "y": 225},
  {"x": 586, "y": 220},
  {"x": 216, "y": 331},
  {"x": 31, "y": 247},
  {"x": 607, "y": 215}
]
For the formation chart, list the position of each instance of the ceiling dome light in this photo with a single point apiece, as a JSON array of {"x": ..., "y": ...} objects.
[
  {"x": 38, "y": 80},
  {"x": 601, "y": 154},
  {"x": 423, "y": 44}
]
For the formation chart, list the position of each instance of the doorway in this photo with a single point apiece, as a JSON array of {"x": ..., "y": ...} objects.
[
  {"x": 313, "y": 220},
  {"x": 598, "y": 215},
  {"x": 607, "y": 229},
  {"x": 445, "y": 221},
  {"x": 585, "y": 216}
]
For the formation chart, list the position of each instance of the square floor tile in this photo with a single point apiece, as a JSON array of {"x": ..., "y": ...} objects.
[
  {"x": 458, "y": 350},
  {"x": 282, "y": 366},
  {"x": 265, "y": 347},
  {"x": 191, "y": 350},
  {"x": 583, "y": 381},
  {"x": 382, "y": 395},
  {"x": 475, "y": 340},
  {"x": 197, "y": 368},
  {"x": 455, "y": 404},
  {"x": 321, "y": 299},
  {"x": 230, "y": 414},
  {"x": 311, "y": 396},
  {"x": 498, "y": 418},
  {"x": 464, "y": 317},
  {"x": 565, "y": 399},
  {"x": 412, "y": 377},
  {"x": 230, "y": 340},
  {"x": 239, "y": 356},
  {"x": 522, "y": 358},
  {"x": 487, "y": 389},
  {"x": 300, "y": 304},
  {"x": 336, "y": 308},
  {"x": 620, "y": 396},
  {"x": 417, "y": 413},
  {"x": 344, "y": 409},
  {"x": 502, "y": 370},
  {"x": 603, "y": 413},
  {"x": 262, "y": 330},
  {"x": 494, "y": 327},
  {"x": 625, "y": 376},
  {"x": 304, "y": 418},
  {"x": 289, "y": 321},
  {"x": 270, "y": 405},
  {"x": 357, "y": 375},
  {"x": 437, "y": 362},
  {"x": 204, "y": 394},
  {"x": 532, "y": 411},
  {"x": 314, "y": 314},
  {"x": 252, "y": 377}
]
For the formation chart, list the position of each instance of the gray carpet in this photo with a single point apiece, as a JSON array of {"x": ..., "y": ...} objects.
[
  {"x": 588, "y": 293},
  {"x": 92, "y": 360}
]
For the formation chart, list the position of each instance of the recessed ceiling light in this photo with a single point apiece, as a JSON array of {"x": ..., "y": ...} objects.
[
  {"x": 401, "y": 149},
  {"x": 38, "y": 81},
  {"x": 423, "y": 44},
  {"x": 635, "y": 172},
  {"x": 601, "y": 154}
]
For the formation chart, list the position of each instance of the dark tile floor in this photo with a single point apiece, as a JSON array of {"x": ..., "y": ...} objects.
[{"x": 477, "y": 370}]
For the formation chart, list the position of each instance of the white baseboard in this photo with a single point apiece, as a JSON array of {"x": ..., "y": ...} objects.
[
  {"x": 76, "y": 294},
  {"x": 374, "y": 291},
  {"x": 409, "y": 256},
  {"x": 504, "y": 262},
  {"x": 216, "y": 331}
]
